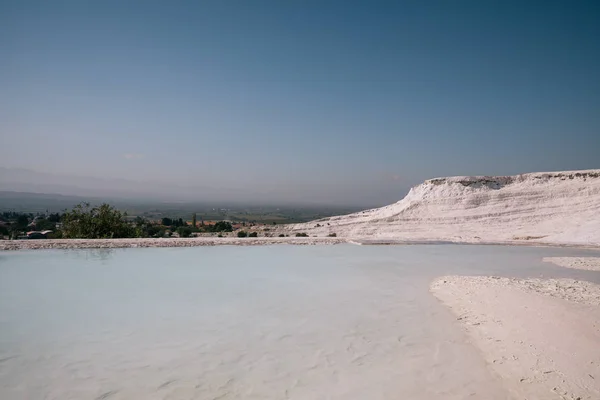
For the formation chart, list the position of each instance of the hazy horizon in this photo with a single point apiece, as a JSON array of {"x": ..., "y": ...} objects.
[
  {"x": 29, "y": 181},
  {"x": 306, "y": 102}
]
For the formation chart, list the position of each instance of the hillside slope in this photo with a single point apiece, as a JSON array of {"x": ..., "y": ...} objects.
[{"x": 553, "y": 207}]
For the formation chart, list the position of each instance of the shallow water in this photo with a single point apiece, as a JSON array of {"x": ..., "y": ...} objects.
[{"x": 272, "y": 322}]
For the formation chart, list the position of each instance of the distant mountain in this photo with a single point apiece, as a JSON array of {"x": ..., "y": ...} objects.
[
  {"x": 29, "y": 181},
  {"x": 23, "y": 180},
  {"x": 36, "y": 202},
  {"x": 53, "y": 202}
]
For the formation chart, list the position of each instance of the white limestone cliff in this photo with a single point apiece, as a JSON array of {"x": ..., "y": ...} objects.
[{"x": 552, "y": 207}]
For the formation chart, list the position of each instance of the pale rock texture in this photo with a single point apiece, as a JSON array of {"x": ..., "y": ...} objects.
[
  {"x": 583, "y": 263},
  {"x": 540, "y": 337},
  {"x": 552, "y": 207}
]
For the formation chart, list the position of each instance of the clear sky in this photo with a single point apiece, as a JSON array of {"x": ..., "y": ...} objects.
[{"x": 298, "y": 100}]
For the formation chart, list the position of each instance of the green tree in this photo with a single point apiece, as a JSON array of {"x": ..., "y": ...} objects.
[
  {"x": 153, "y": 230},
  {"x": 167, "y": 221},
  {"x": 54, "y": 217},
  {"x": 253, "y": 234},
  {"x": 102, "y": 222},
  {"x": 194, "y": 220},
  {"x": 184, "y": 231},
  {"x": 19, "y": 225},
  {"x": 242, "y": 234},
  {"x": 45, "y": 225},
  {"x": 21, "y": 222},
  {"x": 140, "y": 221},
  {"x": 145, "y": 228},
  {"x": 221, "y": 226}
]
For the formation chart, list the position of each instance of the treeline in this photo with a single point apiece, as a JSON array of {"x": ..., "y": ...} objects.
[
  {"x": 167, "y": 226},
  {"x": 12, "y": 223},
  {"x": 100, "y": 222}
]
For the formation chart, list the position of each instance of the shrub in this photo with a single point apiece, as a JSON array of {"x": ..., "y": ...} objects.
[
  {"x": 219, "y": 235},
  {"x": 221, "y": 226},
  {"x": 102, "y": 222},
  {"x": 332, "y": 235},
  {"x": 44, "y": 224},
  {"x": 242, "y": 234},
  {"x": 281, "y": 235},
  {"x": 184, "y": 232},
  {"x": 253, "y": 234},
  {"x": 302, "y": 234}
]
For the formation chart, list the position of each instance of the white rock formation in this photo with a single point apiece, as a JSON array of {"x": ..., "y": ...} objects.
[{"x": 551, "y": 207}]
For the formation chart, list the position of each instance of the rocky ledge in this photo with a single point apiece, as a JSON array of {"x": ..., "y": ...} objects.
[{"x": 162, "y": 242}]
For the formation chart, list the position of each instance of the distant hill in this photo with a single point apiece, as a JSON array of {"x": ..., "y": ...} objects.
[
  {"x": 149, "y": 190},
  {"x": 36, "y": 202},
  {"x": 152, "y": 209},
  {"x": 29, "y": 181},
  {"x": 53, "y": 202}
]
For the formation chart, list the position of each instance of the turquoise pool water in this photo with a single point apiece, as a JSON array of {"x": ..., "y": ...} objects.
[{"x": 272, "y": 322}]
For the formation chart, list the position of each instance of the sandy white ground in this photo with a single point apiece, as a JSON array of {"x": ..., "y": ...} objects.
[
  {"x": 541, "y": 337},
  {"x": 584, "y": 263},
  {"x": 552, "y": 208}
]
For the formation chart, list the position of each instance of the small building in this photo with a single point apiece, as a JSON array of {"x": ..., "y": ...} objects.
[{"x": 38, "y": 234}]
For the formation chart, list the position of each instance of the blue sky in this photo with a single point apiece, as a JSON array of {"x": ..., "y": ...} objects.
[{"x": 321, "y": 101}]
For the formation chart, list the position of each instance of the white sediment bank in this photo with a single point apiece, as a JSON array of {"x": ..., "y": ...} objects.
[
  {"x": 583, "y": 263},
  {"x": 549, "y": 208},
  {"x": 161, "y": 242},
  {"x": 45, "y": 244},
  {"x": 541, "y": 337}
]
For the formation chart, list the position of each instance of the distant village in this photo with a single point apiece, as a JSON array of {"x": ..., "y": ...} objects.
[{"x": 104, "y": 221}]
